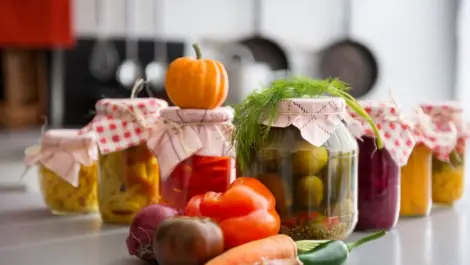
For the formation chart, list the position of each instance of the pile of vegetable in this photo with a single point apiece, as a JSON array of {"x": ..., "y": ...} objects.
[{"x": 238, "y": 227}]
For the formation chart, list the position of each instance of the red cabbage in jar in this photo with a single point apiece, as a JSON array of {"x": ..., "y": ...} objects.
[{"x": 379, "y": 187}]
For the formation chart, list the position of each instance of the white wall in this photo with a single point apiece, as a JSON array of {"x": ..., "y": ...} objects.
[{"x": 414, "y": 40}]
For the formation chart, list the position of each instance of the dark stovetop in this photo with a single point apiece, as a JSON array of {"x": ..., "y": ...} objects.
[{"x": 82, "y": 90}]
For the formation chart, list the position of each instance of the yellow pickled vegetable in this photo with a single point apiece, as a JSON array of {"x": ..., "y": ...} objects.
[
  {"x": 308, "y": 159},
  {"x": 63, "y": 198},
  {"x": 310, "y": 191},
  {"x": 129, "y": 181},
  {"x": 416, "y": 197},
  {"x": 447, "y": 184}
]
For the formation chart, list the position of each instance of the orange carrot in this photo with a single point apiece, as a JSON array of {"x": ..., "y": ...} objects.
[{"x": 276, "y": 247}]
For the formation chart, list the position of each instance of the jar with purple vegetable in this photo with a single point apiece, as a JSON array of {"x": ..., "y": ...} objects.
[{"x": 379, "y": 170}]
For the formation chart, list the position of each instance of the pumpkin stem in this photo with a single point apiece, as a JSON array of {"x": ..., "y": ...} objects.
[{"x": 197, "y": 50}]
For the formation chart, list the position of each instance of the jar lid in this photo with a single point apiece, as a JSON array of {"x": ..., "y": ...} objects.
[
  {"x": 445, "y": 108},
  {"x": 182, "y": 133},
  {"x": 63, "y": 152},
  {"x": 124, "y": 123},
  {"x": 319, "y": 106},
  {"x": 396, "y": 132}
]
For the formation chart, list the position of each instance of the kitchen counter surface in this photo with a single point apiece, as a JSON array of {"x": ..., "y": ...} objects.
[{"x": 30, "y": 235}]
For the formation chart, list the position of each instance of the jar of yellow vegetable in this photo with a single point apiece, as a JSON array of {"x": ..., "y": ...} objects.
[
  {"x": 309, "y": 162},
  {"x": 128, "y": 172},
  {"x": 68, "y": 172},
  {"x": 416, "y": 175},
  {"x": 448, "y": 174}
]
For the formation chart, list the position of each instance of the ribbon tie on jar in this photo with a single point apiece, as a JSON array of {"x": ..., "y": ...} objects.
[
  {"x": 174, "y": 141},
  {"x": 62, "y": 158}
]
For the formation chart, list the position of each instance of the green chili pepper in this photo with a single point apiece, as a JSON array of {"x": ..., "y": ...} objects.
[{"x": 334, "y": 252}]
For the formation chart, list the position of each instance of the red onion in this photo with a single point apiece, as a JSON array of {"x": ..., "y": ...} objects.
[{"x": 144, "y": 225}]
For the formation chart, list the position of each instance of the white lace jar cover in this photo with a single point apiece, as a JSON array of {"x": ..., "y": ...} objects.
[
  {"x": 425, "y": 132},
  {"x": 447, "y": 115},
  {"x": 395, "y": 131},
  {"x": 123, "y": 123},
  {"x": 182, "y": 133},
  {"x": 316, "y": 118},
  {"x": 64, "y": 152}
]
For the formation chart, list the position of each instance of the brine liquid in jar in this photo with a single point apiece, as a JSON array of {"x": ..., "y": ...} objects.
[
  {"x": 128, "y": 171},
  {"x": 448, "y": 178},
  {"x": 194, "y": 151},
  {"x": 379, "y": 187},
  {"x": 315, "y": 186},
  {"x": 416, "y": 196},
  {"x": 196, "y": 175},
  {"x": 68, "y": 172}
]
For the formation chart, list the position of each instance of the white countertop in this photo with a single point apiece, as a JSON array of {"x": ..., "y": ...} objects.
[{"x": 30, "y": 235}]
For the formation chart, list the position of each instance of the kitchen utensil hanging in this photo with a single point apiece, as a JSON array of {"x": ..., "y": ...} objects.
[
  {"x": 265, "y": 50},
  {"x": 350, "y": 60},
  {"x": 155, "y": 70},
  {"x": 130, "y": 69},
  {"x": 104, "y": 57}
]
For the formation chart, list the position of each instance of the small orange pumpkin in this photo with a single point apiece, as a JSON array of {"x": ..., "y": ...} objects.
[{"x": 196, "y": 83}]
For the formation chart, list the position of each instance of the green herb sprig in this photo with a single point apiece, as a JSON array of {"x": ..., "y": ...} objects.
[{"x": 262, "y": 104}]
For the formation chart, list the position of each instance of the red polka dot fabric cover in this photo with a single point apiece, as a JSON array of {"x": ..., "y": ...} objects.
[
  {"x": 182, "y": 133},
  {"x": 124, "y": 123},
  {"x": 396, "y": 132},
  {"x": 426, "y": 132},
  {"x": 448, "y": 114}
]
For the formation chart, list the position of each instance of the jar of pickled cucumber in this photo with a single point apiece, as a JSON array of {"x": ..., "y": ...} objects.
[
  {"x": 68, "y": 172},
  {"x": 379, "y": 170},
  {"x": 416, "y": 175},
  {"x": 128, "y": 172},
  {"x": 193, "y": 147},
  {"x": 308, "y": 160},
  {"x": 448, "y": 174}
]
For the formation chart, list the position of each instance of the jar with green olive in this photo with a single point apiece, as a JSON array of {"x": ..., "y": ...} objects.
[{"x": 309, "y": 162}]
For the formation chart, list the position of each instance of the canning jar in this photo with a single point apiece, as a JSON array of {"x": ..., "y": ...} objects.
[
  {"x": 128, "y": 172},
  {"x": 193, "y": 147},
  {"x": 68, "y": 172},
  {"x": 416, "y": 175},
  {"x": 379, "y": 170},
  {"x": 309, "y": 162},
  {"x": 448, "y": 174}
]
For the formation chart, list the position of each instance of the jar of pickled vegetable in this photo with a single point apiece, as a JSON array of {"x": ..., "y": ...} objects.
[
  {"x": 309, "y": 162},
  {"x": 379, "y": 170},
  {"x": 448, "y": 174},
  {"x": 128, "y": 172},
  {"x": 68, "y": 172},
  {"x": 416, "y": 175},
  {"x": 193, "y": 147}
]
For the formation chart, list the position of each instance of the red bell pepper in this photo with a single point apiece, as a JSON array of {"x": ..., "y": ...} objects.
[{"x": 245, "y": 212}]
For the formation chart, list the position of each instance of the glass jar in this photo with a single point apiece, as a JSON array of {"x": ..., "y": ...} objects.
[
  {"x": 379, "y": 170},
  {"x": 194, "y": 151},
  {"x": 68, "y": 172},
  {"x": 310, "y": 166},
  {"x": 448, "y": 174},
  {"x": 416, "y": 196},
  {"x": 128, "y": 171}
]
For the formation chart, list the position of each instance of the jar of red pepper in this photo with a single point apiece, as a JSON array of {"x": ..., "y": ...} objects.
[
  {"x": 379, "y": 170},
  {"x": 193, "y": 149}
]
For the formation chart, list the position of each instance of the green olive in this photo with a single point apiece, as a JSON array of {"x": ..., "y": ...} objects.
[
  {"x": 281, "y": 191},
  {"x": 310, "y": 191},
  {"x": 309, "y": 159}
]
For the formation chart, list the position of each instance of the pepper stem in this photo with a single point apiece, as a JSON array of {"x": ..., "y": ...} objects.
[
  {"x": 365, "y": 239},
  {"x": 197, "y": 50}
]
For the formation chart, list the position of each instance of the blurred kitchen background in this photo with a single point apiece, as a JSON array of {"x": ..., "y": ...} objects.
[{"x": 60, "y": 56}]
